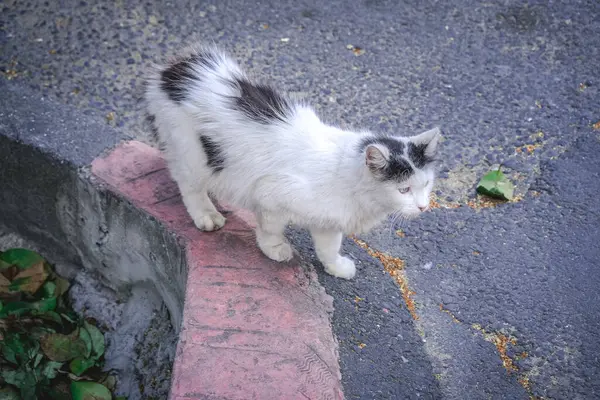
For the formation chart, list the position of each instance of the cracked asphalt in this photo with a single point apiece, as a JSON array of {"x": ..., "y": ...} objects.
[{"x": 505, "y": 298}]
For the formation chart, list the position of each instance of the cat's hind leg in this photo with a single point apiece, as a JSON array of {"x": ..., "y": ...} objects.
[
  {"x": 202, "y": 210},
  {"x": 270, "y": 237},
  {"x": 192, "y": 178}
]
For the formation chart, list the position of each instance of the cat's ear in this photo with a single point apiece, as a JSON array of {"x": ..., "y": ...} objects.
[
  {"x": 377, "y": 157},
  {"x": 430, "y": 139}
]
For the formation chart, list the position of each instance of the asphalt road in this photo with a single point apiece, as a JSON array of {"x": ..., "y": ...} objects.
[{"x": 505, "y": 298}]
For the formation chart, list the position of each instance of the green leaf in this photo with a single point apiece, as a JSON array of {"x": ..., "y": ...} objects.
[
  {"x": 15, "y": 308},
  {"x": 121, "y": 398},
  {"x": 28, "y": 390},
  {"x": 44, "y": 305},
  {"x": 22, "y": 258},
  {"x": 18, "y": 378},
  {"x": 20, "y": 308},
  {"x": 49, "y": 290},
  {"x": 495, "y": 184},
  {"x": 9, "y": 393},
  {"x": 89, "y": 391},
  {"x": 62, "y": 348},
  {"x": 79, "y": 365},
  {"x": 13, "y": 348},
  {"x": 38, "y": 359},
  {"x": 51, "y": 368},
  {"x": 97, "y": 339},
  {"x": 85, "y": 337}
]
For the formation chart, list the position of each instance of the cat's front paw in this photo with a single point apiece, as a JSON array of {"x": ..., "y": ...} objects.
[
  {"x": 210, "y": 222},
  {"x": 342, "y": 268},
  {"x": 279, "y": 252}
]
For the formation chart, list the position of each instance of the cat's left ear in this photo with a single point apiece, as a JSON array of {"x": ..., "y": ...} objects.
[{"x": 430, "y": 140}]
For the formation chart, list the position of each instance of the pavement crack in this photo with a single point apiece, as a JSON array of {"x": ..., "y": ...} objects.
[{"x": 395, "y": 267}]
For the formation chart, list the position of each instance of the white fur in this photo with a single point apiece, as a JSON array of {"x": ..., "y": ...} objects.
[{"x": 302, "y": 172}]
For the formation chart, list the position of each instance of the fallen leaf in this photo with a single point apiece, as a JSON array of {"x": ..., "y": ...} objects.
[
  {"x": 58, "y": 347},
  {"x": 51, "y": 368},
  {"x": 86, "y": 338},
  {"x": 79, "y": 365},
  {"x": 596, "y": 125},
  {"x": 89, "y": 391},
  {"x": 97, "y": 339},
  {"x": 495, "y": 184},
  {"x": 9, "y": 393},
  {"x": 362, "y": 345},
  {"x": 22, "y": 258},
  {"x": 30, "y": 279}
]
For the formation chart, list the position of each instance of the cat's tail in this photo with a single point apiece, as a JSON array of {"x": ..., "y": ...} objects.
[
  {"x": 196, "y": 73},
  {"x": 209, "y": 84}
]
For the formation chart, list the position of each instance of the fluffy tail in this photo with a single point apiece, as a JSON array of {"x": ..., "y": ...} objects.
[{"x": 209, "y": 83}]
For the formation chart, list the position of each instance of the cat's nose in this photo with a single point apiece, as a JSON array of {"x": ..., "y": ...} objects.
[{"x": 423, "y": 208}]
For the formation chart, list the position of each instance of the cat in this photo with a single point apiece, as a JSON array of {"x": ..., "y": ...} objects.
[{"x": 246, "y": 143}]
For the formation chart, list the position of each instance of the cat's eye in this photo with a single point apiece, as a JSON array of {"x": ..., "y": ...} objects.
[{"x": 404, "y": 190}]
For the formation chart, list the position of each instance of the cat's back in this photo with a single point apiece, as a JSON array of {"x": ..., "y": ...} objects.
[{"x": 205, "y": 84}]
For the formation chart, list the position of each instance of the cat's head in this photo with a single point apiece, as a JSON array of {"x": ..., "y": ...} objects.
[{"x": 403, "y": 170}]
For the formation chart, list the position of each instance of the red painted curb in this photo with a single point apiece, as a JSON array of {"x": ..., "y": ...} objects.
[{"x": 252, "y": 328}]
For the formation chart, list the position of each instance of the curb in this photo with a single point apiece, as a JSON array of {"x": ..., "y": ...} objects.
[
  {"x": 249, "y": 328},
  {"x": 252, "y": 328}
]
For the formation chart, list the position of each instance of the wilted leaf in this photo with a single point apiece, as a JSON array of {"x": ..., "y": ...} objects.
[
  {"x": 8, "y": 393},
  {"x": 4, "y": 284},
  {"x": 60, "y": 391},
  {"x": 22, "y": 258},
  {"x": 51, "y": 368},
  {"x": 31, "y": 279},
  {"x": 495, "y": 184},
  {"x": 37, "y": 332},
  {"x": 62, "y": 348},
  {"x": 89, "y": 391},
  {"x": 79, "y": 365},
  {"x": 97, "y": 339}
]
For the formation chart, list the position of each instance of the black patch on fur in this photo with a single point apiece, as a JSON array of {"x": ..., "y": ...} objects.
[
  {"x": 398, "y": 168},
  {"x": 175, "y": 79},
  {"x": 214, "y": 154},
  {"x": 261, "y": 103},
  {"x": 416, "y": 153}
]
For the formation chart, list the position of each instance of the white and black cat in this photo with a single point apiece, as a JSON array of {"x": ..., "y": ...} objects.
[{"x": 249, "y": 145}]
